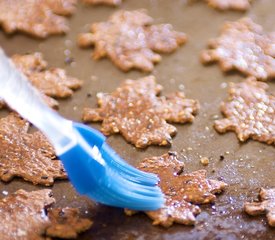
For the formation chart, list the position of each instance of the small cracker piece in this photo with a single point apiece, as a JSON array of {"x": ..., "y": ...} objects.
[
  {"x": 238, "y": 5},
  {"x": 26, "y": 155},
  {"x": 182, "y": 191},
  {"x": 249, "y": 111},
  {"x": 243, "y": 46},
  {"x": 23, "y": 215},
  {"x": 66, "y": 223},
  {"x": 39, "y": 18},
  {"x": 265, "y": 206},
  {"x": 130, "y": 40},
  {"x": 106, "y": 2},
  {"x": 53, "y": 82},
  {"x": 137, "y": 112}
]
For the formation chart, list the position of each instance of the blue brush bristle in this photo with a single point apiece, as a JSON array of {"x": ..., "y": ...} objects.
[
  {"x": 133, "y": 174},
  {"x": 127, "y": 194}
]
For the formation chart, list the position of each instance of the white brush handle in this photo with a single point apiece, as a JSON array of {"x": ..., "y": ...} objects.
[{"x": 21, "y": 96}]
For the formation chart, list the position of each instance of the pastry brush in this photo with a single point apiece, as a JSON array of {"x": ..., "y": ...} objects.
[{"x": 92, "y": 165}]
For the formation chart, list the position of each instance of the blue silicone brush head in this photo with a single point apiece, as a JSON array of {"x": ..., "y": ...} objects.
[{"x": 98, "y": 172}]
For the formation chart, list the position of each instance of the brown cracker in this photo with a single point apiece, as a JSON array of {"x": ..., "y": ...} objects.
[
  {"x": 66, "y": 223},
  {"x": 23, "y": 215},
  {"x": 39, "y": 18},
  {"x": 243, "y": 46},
  {"x": 106, "y": 2},
  {"x": 137, "y": 112},
  {"x": 249, "y": 111},
  {"x": 53, "y": 82},
  {"x": 130, "y": 40},
  {"x": 238, "y": 5},
  {"x": 26, "y": 155},
  {"x": 265, "y": 206},
  {"x": 27, "y": 216},
  {"x": 182, "y": 190}
]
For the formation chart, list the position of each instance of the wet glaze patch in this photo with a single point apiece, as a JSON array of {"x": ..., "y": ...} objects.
[
  {"x": 106, "y": 2},
  {"x": 23, "y": 215},
  {"x": 182, "y": 190},
  {"x": 66, "y": 223},
  {"x": 26, "y": 155},
  {"x": 137, "y": 112},
  {"x": 39, "y": 18},
  {"x": 53, "y": 82},
  {"x": 265, "y": 206},
  {"x": 243, "y": 46},
  {"x": 238, "y": 5},
  {"x": 249, "y": 111},
  {"x": 130, "y": 40}
]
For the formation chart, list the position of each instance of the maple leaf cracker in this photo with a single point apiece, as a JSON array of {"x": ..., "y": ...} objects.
[
  {"x": 130, "y": 40},
  {"x": 245, "y": 47},
  {"x": 39, "y": 18},
  {"x": 141, "y": 116},
  {"x": 183, "y": 191},
  {"x": 249, "y": 111},
  {"x": 27, "y": 155}
]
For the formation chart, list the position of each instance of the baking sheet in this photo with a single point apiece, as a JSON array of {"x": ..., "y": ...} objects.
[{"x": 246, "y": 167}]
